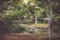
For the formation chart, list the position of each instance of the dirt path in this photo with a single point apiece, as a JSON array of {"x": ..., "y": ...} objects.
[{"x": 20, "y": 36}]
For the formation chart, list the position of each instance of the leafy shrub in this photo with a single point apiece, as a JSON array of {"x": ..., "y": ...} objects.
[
  {"x": 16, "y": 28},
  {"x": 27, "y": 21},
  {"x": 30, "y": 30},
  {"x": 45, "y": 21}
]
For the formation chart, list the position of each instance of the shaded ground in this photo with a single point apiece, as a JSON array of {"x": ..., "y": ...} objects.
[{"x": 21, "y": 36}]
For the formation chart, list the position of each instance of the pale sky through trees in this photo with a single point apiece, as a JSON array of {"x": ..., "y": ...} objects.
[{"x": 25, "y": 1}]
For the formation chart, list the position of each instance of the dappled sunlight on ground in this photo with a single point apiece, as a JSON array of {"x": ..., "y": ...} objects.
[{"x": 36, "y": 25}]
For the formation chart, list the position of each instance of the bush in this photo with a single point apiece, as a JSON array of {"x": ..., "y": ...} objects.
[
  {"x": 16, "y": 28},
  {"x": 30, "y": 30},
  {"x": 27, "y": 21}
]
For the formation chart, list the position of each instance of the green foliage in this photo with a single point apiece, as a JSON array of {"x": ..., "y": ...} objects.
[
  {"x": 27, "y": 21},
  {"x": 56, "y": 23},
  {"x": 19, "y": 9},
  {"x": 15, "y": 9},
  {"x": 56, "y": 17},
  {"x": 16, "y": 28}
]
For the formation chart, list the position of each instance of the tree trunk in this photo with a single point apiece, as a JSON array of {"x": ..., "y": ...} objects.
[
  {"x": 36, "y": 20},
  {"x": 50, "y": 19}
]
